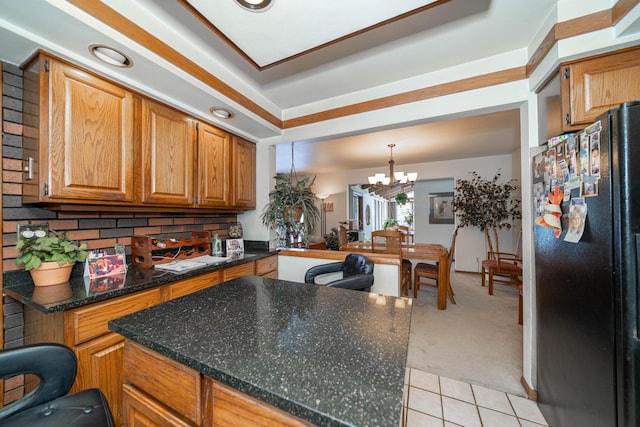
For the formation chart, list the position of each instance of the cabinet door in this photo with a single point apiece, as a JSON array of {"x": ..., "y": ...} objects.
[
  {"x": 168, "y": 144},
  {"x": 194, "y": 284},
  {"x": 85, "y": 323},
  {"x": 238, "y": 270},
  {"x": 87, "y": 151},
  {"x": 594, "y": 86},
  {"x": 101, "y": 365},
  {"x": 214, "y": 164},
  {"x": 244, "y": 173},
  {"x": 140, "y": 410},
  {"x": 226, "y": 406},
  {"x": 267, "y": 265}
]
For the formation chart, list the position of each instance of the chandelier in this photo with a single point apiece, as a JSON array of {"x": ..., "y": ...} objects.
[{"x": 395, "y": 178}]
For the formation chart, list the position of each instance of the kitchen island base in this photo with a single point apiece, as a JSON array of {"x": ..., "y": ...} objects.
[
  {"x": 261, "y": 351},
  {"x": 159, "y": 391}
]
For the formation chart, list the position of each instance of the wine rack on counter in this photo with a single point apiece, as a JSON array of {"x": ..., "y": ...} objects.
[{"x": 148, "y": 251}]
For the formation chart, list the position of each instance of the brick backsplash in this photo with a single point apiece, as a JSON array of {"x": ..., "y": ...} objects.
[{"x": 97, "y": 230}]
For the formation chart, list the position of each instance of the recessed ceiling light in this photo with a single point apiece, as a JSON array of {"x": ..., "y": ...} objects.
[
  {"x": 222, "y": 113},
  {"x": 255, "y": 5},
  {"x": 110, "y": 55}
]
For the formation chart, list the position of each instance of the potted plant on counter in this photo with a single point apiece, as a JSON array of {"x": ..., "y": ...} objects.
[{"x": 50, "y": 259}]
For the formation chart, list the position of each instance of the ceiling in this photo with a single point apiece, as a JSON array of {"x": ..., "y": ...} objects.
[
  {"x": 489, "y": 134},
  {"x": 293, "y": 59}
]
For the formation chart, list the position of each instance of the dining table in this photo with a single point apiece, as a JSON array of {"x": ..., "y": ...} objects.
[{"x": 417, "y": 251}]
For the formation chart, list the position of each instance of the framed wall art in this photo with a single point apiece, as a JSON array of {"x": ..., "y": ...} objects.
[{"x": 441, "y": 208}]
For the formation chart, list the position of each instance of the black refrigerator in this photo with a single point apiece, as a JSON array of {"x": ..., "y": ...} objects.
[{"x": 587, "y": 299}]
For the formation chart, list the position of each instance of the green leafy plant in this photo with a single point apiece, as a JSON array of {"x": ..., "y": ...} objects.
[
  {"x": 402, "y": 198},
  {"x": 486, "y": 204},
  {"x": 291, "y": 211},
  {"x": 390, "y": 222},
  {"x": 331, "y": 240},
  {"x": 409, "y": 219},
  {"x": 56, "y": 247}
]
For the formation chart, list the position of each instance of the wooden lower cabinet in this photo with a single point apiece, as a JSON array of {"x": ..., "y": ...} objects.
[
  {"x": 143, "y": 411},
  {"x": 163, "y": 383},
  {"x": 238, "y": 270},
  {"x": 194, "y": 284},
  {"x": 161, "y": 392},
  {"x": 100, "y": 365},
  {"x": 267, "y": 267},
  {"x": 226, "y": 406}
]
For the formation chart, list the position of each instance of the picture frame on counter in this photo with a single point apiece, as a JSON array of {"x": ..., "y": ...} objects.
[
  {"x": 235, "y": 246},
  {"x": 101, "y": 265}
]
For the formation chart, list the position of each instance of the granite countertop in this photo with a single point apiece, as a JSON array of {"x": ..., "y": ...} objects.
[
  {"x": 81, "y": 291},
  {"x": 329, "y": 356}
]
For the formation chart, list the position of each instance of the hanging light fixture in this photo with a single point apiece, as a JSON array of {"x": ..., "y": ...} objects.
[{"x": 395, "y": 178}]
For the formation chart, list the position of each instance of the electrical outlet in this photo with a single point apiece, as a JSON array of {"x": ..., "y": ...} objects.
[{"x": 29, "y": 231}]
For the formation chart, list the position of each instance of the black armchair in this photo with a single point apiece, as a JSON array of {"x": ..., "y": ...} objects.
[
  {"x": 357, "y": 273},
  {"x": 47, "y": 405}
]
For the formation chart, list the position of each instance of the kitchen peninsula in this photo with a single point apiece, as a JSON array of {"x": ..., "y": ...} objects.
[
  {"x": 269, "y": 351},
  {"x": 76, "y": 313}
]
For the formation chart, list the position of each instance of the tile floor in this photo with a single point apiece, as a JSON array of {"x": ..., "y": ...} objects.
[{"x": 432, "y": 400}]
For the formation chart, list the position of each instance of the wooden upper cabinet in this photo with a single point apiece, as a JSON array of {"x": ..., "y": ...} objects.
[
  {"x": 90, "y": 141},
  {"x": 168, "y": 155},
  {"x": 244, "y": 173},
  {"x": 214, "y": 166},
  {"x": 593, "y": 86},
  {"x": 84, "y": 145}
]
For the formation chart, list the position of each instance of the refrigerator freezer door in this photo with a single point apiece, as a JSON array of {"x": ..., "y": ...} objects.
[
  {"x": 625, "y": 158},
  {"x": 575, "y": 316}
]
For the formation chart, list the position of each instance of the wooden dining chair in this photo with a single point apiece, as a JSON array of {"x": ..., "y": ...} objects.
[
  {"x": 503, "y": 267},
  {"x": 342, "y": 236},
  {"x": 405, "y": 232},
  {"x": 431, "y": 271},
  {"x": 390, "y": 242},
  {"x": 406, "y": 238}
]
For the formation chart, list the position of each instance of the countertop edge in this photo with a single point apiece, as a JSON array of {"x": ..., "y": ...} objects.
[{"x": 23, "y": 292}]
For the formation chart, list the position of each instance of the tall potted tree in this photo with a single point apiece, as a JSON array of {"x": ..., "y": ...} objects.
[
  {"x": 487, "y": 204},
  {"x": 291, "y": 211}
]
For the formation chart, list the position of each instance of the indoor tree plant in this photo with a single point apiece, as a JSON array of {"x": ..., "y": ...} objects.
[
  {"x": 50, "y": 259},
  {"x": 486, "y": 204},
  {"x": 291, "y": 211}
]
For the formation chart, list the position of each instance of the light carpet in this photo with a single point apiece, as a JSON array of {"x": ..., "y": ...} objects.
[{"x": 477, "y": 340}]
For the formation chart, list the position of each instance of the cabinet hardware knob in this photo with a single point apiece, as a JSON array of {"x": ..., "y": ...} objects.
[{"x": 29, "y": 168}]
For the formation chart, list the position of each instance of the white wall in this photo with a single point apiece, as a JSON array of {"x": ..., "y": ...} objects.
[
  {"x": 424, "y": 231},
  {"x": 339, "y": 212},
  {"x": 265, "y": 170}
]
